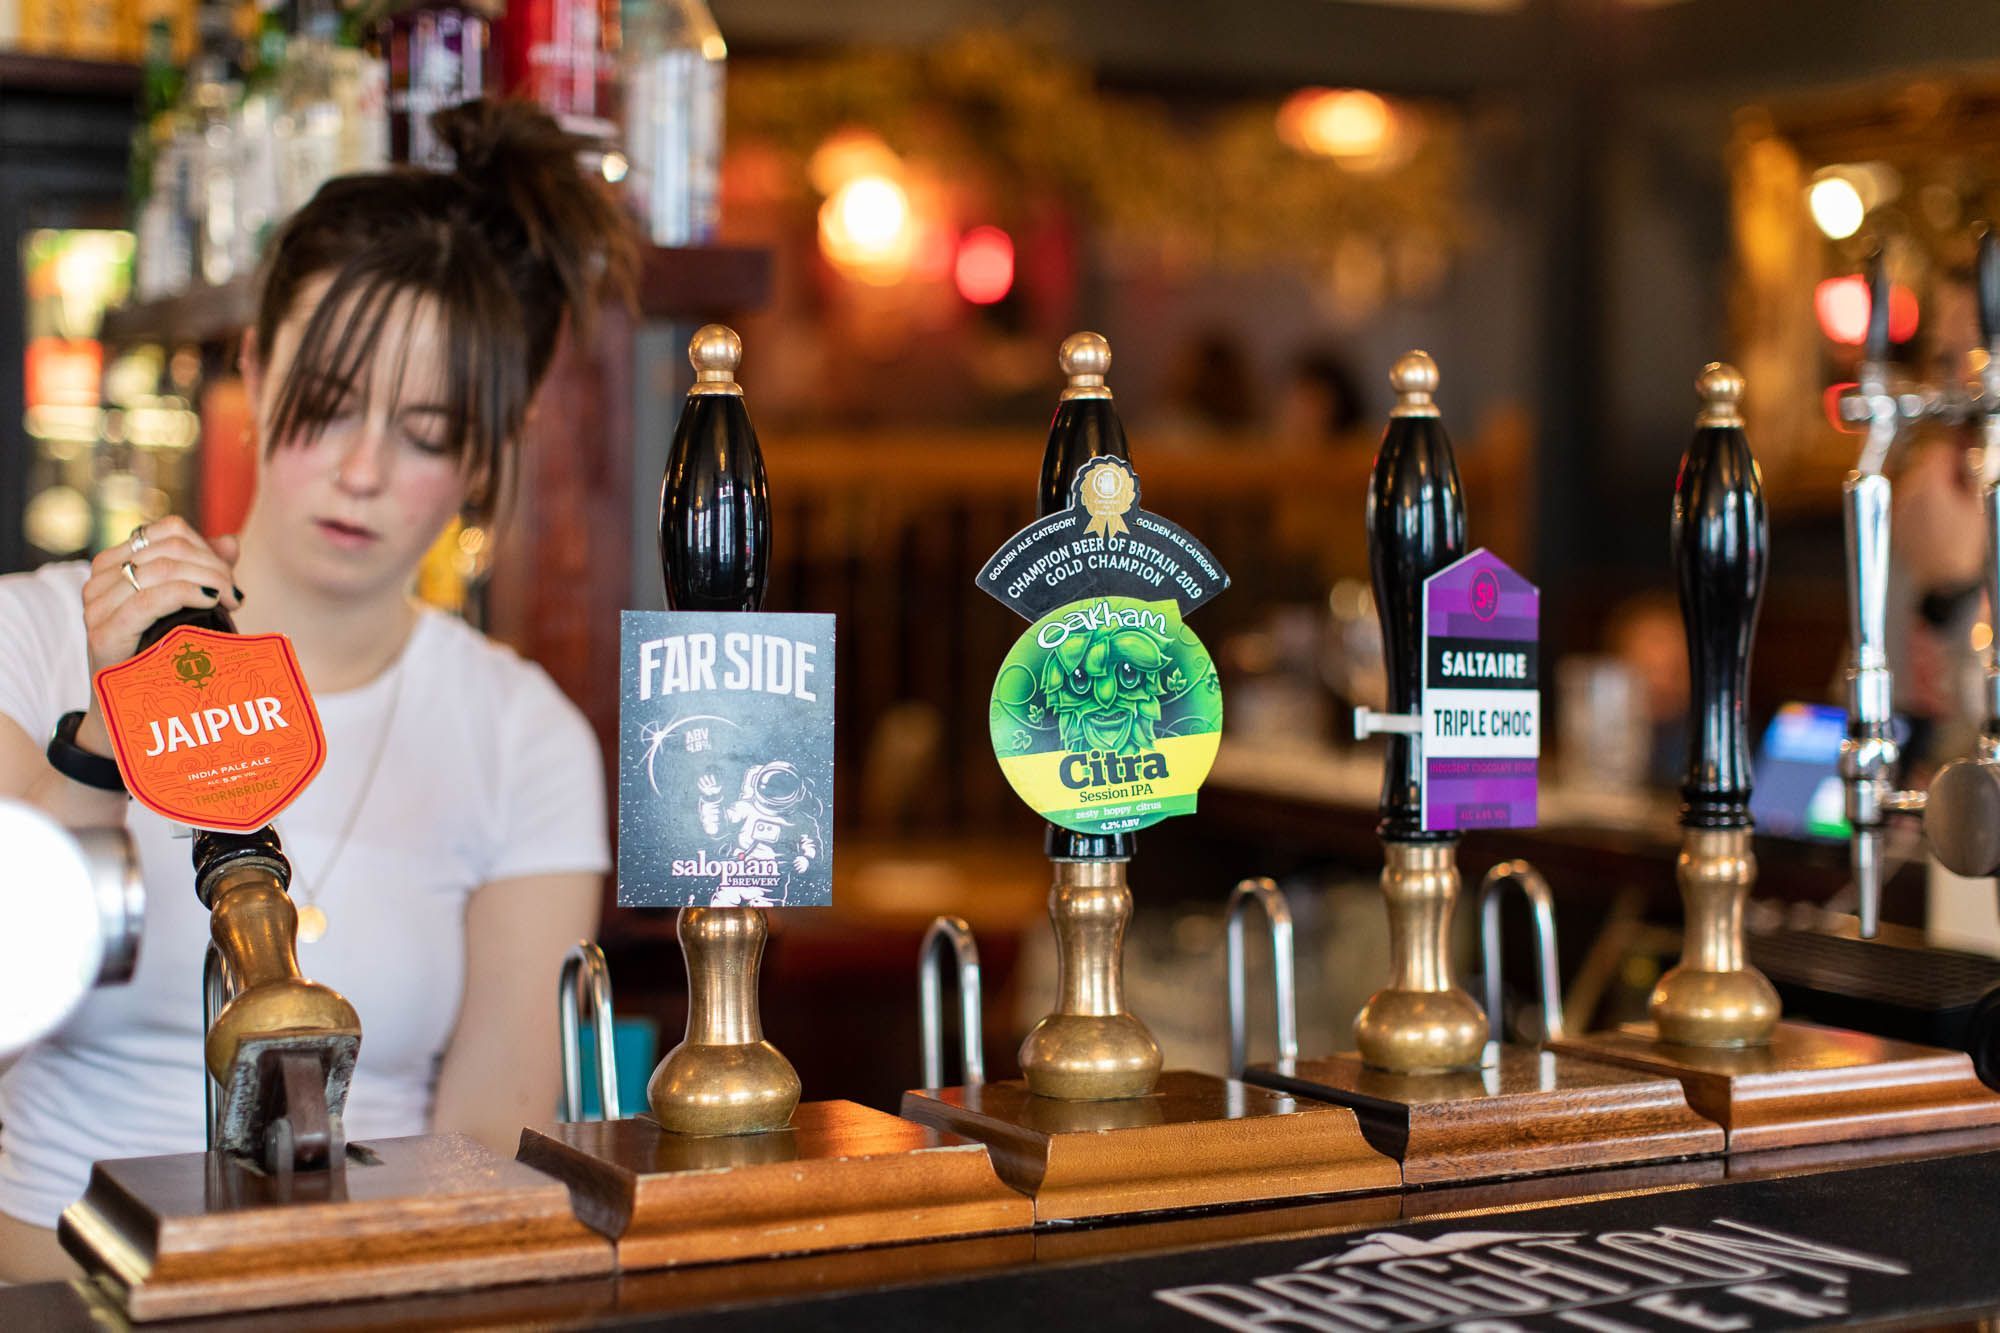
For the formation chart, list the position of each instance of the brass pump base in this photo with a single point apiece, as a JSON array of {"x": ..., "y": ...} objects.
[
  {"x": 1195, "y": 1141},
  {"x": 255, "y": 924},
  {"x": 1808, "y": 1085},
  {"x": 1090, "y": 1048},
  {"x": 838, "y": 1177},
  {"x": 1771, "y": 1084},
  {"x": 192, "y": 1235},
  {"x": 276, "y": 1014},
  {"x": 723, "y": 1078},
  {"x": 1713, "y": 997},
  {"x": 1421, "y": 1022}
]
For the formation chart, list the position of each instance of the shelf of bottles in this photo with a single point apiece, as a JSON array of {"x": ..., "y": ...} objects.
[
  {"x": 275, "y": 100},
  {"x": 247, "y": 107},
  {"x": 110, "y": 432}
]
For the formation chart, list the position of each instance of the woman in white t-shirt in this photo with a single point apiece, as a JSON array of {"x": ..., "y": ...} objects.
[{"x": 454, "y": 842}]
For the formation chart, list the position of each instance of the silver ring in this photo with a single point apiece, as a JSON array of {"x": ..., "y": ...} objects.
[
  {"x": 139, "y": 541},
  {"x": 131, "y": 572}
]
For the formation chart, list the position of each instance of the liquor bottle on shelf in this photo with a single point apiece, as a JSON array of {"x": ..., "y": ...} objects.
[
  {"x": 563, "y": 54},
  {"x": 259, "y": 201},
  {"x": 361, "y": 90},
  {"x": 307, "y": 128},
  {"x": 438, "y": 55},
  {"x": 164, "y": 261},
  {"x": 209, "y": 130},
  {"x": 673, "y": 65}
]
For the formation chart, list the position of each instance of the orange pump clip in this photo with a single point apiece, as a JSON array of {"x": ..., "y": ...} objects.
[{"x": 213, "y": 730}]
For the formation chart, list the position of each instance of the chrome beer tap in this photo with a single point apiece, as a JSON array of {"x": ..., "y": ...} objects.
[
  {"x": 1869, "y": 752},
  {"x": 1988, "y": 408},
  {"x": 1962, "y": 815}
]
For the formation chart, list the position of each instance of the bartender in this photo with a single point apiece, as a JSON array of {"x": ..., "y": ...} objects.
[{"x": 453, "y": 845}]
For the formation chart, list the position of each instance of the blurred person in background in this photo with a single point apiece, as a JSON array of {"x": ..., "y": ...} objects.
[
  {"x": 455, "y": 839},
  {"x": 1209, "y": 390},
  {"x": 1645, "y": 635},
  {"x": 1936, "y": 595},
  {"x": 1320, "y": 406}
]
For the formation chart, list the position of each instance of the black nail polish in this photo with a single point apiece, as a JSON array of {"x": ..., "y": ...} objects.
[{"x": 211, "y": 592}]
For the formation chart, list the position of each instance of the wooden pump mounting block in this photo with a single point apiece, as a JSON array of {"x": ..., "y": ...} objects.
[
  {"x": 204, "y": 1233},
  {"x": 840, "y": 1176}
]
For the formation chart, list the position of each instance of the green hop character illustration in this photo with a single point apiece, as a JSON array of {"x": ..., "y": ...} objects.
[{"x": 1104, "y": 688}]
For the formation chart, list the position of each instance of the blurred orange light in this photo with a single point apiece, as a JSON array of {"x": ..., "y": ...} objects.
[
  {"x": 865, "y": 230},
  {"x": 63, "y": 370},
  {"x": 985, "y": 269},
  {"x": 1842, "y": 306},
  {"x": 1353, "y": 126}
]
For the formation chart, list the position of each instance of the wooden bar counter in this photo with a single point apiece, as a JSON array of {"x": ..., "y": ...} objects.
[{"x": 1812, "y": 1227}]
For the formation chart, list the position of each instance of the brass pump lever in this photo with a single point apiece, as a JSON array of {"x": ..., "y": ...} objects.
[{"x": 282, "y": 1049}]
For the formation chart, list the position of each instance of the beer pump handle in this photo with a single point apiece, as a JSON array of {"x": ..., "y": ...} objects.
[
  {"x": 200, "y": 617},
  {"x": 1720, "y": 537},
  {"x": 282, "y": 1050},
  {"x": 1086, "y": 426},
  {"x": 1869, "y": 753},
  {"x": 715, "y": 554},
  {"x": 1875, "y": 344},
  {"x": 715, "y": 510},
  {"x": 1721, "y": 552},
  {"x": 1086, "y": 423},
  {"x": 1872, "y": 403},
  {"x": 1416, "y": 526},
  {"x": 214, "y": 851}
]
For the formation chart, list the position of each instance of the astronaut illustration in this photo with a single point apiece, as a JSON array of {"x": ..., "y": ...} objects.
[{"x": 774, "y": 819}]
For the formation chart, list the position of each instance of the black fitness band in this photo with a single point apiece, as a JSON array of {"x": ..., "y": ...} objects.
[{"x": 78, "y": 764}]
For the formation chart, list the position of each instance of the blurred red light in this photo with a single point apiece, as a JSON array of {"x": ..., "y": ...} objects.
[
  {"x": 1842, "y": 307},
  {"x": 985, "y": 268},
  {"x": 1902, "y": 314}
]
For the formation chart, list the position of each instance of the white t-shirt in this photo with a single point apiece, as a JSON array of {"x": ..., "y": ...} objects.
[{"x": 489, "y": 773}]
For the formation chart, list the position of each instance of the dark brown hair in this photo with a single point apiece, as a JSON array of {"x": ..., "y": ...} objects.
[{"x": 513, "y": 239}]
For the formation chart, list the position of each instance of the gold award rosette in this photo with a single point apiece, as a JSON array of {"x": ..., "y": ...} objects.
[{"x": 1107, "y": 492}]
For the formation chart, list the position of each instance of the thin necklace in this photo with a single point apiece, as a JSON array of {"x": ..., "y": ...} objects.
[{"x": 312, "y": 917}]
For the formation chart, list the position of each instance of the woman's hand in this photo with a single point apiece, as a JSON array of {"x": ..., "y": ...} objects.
[{"x": 173, "y": 567}]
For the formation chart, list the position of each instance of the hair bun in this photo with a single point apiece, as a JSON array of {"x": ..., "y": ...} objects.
[{"x": 532, "y": 193}]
